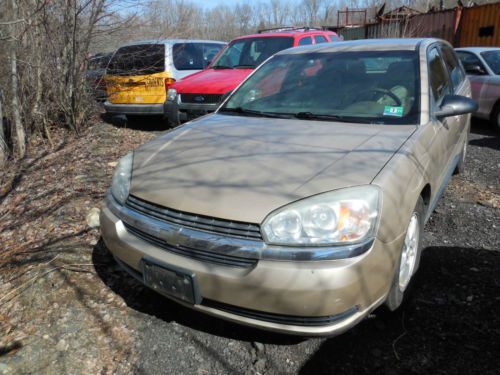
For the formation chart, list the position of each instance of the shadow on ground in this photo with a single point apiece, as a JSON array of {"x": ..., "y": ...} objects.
[
  {"x": 450, "y": 324},
  {"x": 145, "y": 123},
  {"x": 149, "y": 302}
]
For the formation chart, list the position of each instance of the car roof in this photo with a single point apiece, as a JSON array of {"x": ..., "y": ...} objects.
[
  {"x": 287, "y": 33},
  {"x": 170, "y": 41},
  {"x": 366, "y": 45},
  {"x": 477, "y": 49}
]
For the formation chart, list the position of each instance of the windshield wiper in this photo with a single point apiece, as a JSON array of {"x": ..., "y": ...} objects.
[
  {"x": 222, "y": 67},
  {"x": 316, "y": 116},
  {"x": 251, "y": 112}
]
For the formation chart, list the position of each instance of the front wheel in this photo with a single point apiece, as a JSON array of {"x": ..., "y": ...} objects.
[{"x": 409, "y": 258}]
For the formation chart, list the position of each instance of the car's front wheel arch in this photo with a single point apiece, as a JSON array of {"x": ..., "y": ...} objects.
[{"x": 408, "y": 259}]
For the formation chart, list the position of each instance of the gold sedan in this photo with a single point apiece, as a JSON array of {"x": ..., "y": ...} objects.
[{"x": 299, "y": 205}]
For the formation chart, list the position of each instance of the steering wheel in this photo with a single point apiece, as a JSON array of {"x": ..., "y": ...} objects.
[{"x": 389, "y": 93}]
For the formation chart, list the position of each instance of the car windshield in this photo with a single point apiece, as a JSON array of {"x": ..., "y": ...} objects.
[
  {"x": 492, "y": 58},
  {"x": 250, "y": 52},
  {"x": 378, "y": 87}
]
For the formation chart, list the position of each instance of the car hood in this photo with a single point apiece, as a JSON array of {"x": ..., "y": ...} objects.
[
  {"x": 212, "y": 81},
  {"x": 242, "y": 168}
]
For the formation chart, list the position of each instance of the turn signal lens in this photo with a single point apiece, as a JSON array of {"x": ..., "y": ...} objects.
[{"x": 168, "y": 83}]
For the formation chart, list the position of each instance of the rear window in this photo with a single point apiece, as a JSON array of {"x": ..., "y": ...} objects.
[
  {"x": 138, "y": 60},
  {"x": 251, "y": 52},
  {"x": 194, "y": 56}
]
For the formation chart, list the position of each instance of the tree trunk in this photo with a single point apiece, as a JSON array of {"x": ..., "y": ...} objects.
[
  {"x": 3, "y": 142},
  {"x": 14, "y": 85}
]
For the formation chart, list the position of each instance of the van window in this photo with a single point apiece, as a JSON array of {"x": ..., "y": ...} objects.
[
  {"x": 194, "y": 56},
  {"x": 138, "y": 60}
]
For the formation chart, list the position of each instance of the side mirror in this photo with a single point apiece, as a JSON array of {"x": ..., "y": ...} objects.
[
  {"x": 474, "y": 69},
  {"x": 453, "y": 105}
]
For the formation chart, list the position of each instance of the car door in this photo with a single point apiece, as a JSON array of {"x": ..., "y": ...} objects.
[{"x": 438, "y": 143}]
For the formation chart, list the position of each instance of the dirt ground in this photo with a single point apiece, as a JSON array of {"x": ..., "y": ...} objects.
[{"x": 67, "y": 308}]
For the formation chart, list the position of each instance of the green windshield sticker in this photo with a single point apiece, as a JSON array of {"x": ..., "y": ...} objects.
[{"x": 393, "y": 111}]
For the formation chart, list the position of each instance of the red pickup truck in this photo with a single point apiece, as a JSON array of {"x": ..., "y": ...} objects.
[{"x": 202, "y": 92}]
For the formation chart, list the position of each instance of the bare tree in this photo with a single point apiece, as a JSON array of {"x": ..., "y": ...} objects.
[
  {"x": 14, "y": 85},
  {"x": 3, "y": 142}
]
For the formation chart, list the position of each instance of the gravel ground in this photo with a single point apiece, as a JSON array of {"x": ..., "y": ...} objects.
[{"x": 97, "y": 319}]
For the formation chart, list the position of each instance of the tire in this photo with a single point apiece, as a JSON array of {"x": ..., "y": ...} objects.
[
  {"x": 460, "y": 168},
  {"x": 495, "y": 118},
  {"x": 402, "y": 280}
]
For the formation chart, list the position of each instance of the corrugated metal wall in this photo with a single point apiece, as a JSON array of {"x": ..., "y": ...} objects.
[
  {"x": 435, "y": 25},
  {"x": 353, "y": 33},
  {"x": 480, "y": 26},
  {"x": 384, "y": 30}
]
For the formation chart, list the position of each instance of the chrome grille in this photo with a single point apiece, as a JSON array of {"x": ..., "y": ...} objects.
[
  {"x": 201, "y": 98},
  {"x": 204, "y": 223},
  {"x": 201, "y": 255}
]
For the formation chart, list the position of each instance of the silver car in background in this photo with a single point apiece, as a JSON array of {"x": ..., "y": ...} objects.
[{"x": 482, "y": 65}]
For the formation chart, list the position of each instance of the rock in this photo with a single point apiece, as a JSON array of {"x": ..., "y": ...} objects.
[
  {"x": 260, "y": 365},
  {"x": 93, "y": 217},
  {"x": 259, "y": 346},
  {"x": 470, "y": 298},
  {"x": 112, "y": 164},
  {"x": 62, "y": 345}
]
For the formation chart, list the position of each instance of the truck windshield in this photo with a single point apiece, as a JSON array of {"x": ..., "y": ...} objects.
[
  {"x": 377, "y": 87},
  {"x": 250, "y": 52}
]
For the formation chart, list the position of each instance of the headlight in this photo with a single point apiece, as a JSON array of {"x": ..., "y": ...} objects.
[
  {"x": 171, "y": 94},
  {"x": 121, "y": 178},
  {"x": 338, "y": 217}
]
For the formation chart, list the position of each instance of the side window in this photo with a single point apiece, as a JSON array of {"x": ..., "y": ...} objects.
[
  {"x": 438, "y": 76},
  {"x": 305, "y": 41},
  {"x": 469, "y": 61},
  {"x": 320, "y": 39},
  {"x": 457, "y": 75}
]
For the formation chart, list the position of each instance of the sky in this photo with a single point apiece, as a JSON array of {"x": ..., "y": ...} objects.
[{"x": 211, "y": 3}]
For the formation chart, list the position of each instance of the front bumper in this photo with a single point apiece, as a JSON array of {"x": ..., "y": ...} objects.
[
  {"x": 310, "y": 298},
  {"x": 133, "y": 109},
  {"x": 177, "y": 113}
]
